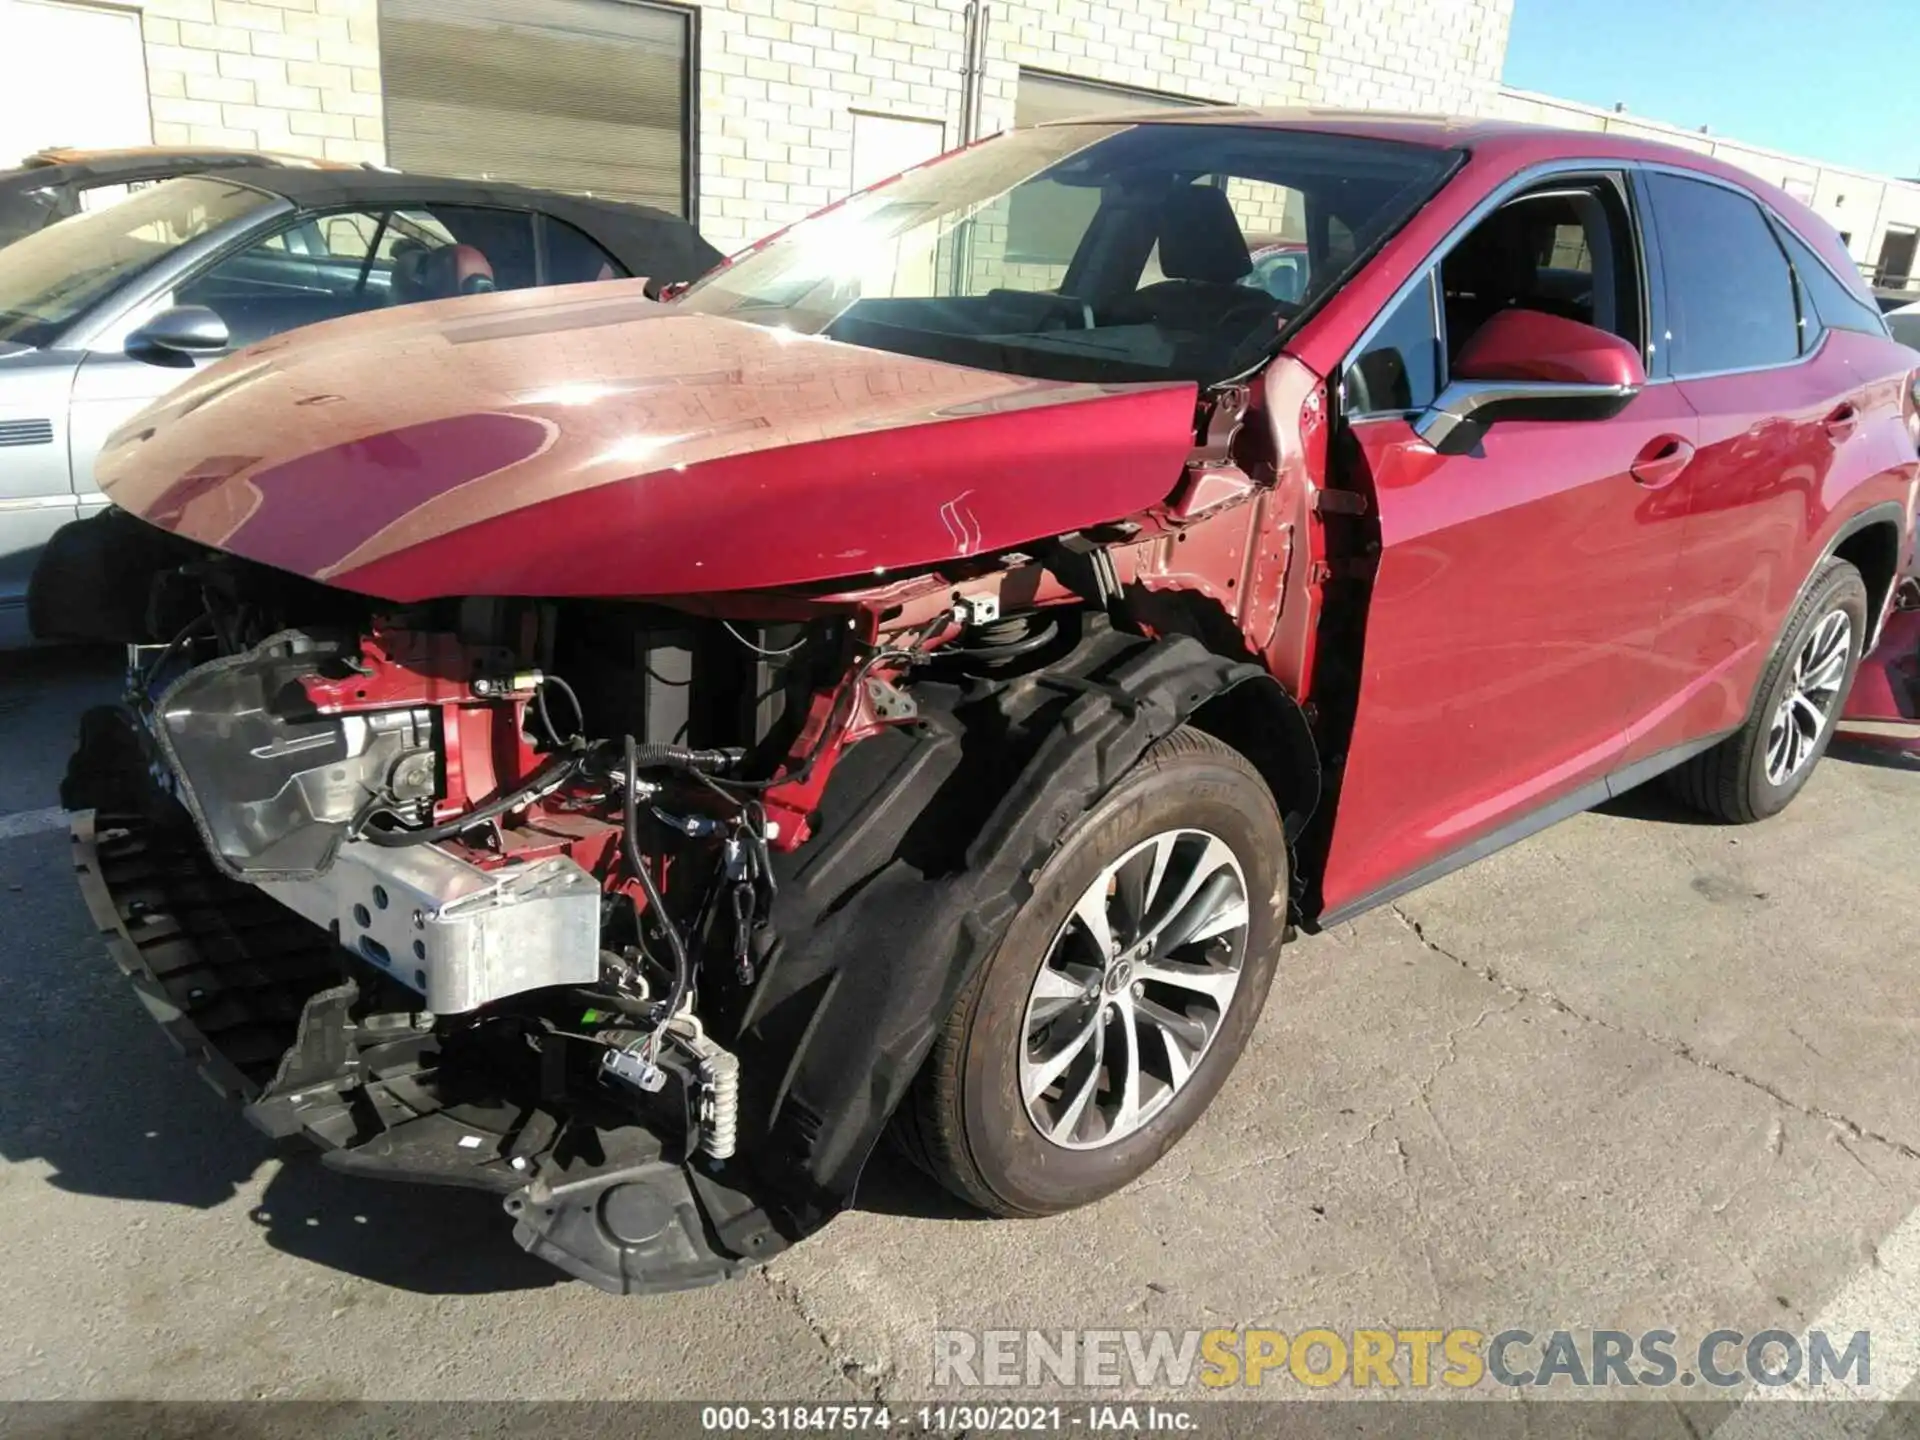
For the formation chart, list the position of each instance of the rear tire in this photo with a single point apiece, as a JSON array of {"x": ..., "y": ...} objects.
[
  {"x": 1188, "y": 842},
  {"x": 1756, "y": 771}
]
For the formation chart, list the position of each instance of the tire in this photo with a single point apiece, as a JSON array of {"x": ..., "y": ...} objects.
[
  {"x": 1741, "y": 779},
  {"x": 969, "y": 1122}
]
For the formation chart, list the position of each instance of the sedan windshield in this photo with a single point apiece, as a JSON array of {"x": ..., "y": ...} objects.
[
  {"x": 50, "y": 278},
  {"x": 1098, "y": 252}
]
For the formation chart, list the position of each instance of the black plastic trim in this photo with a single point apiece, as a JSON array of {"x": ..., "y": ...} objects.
[{"x": 1532, "y": 823}]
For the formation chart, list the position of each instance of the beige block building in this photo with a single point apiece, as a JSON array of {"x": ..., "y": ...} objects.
[
  {"x": 1877, "y": 216},
  {"x": 746, "y": 114}
]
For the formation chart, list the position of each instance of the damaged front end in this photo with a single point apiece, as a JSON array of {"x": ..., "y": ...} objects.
[
  {"x": 388, "y": 891},
  {"x": 639, "y": 917},
  {"x": 601, "y": 794}
]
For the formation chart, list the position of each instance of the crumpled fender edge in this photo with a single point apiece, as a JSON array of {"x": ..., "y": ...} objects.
[{"x": 877, "y": 1007}]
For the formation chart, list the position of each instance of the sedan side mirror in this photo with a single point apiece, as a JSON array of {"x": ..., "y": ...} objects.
[
  {"x": 184, "y": 331},
  {"x": 1528, "y": 365}
]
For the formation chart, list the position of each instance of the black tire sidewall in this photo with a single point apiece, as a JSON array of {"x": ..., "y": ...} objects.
[
  {"x": 1841, "y": 589},
  {"x": 1027, "y": 1172}
]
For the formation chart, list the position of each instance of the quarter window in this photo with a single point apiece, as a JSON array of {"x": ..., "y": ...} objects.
[
  {"x": 1400, "y": 368},
  {"x": 1730, "y": 295},
  {"x": 1832, "y": 304}
]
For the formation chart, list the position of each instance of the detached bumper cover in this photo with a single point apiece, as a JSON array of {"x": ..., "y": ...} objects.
[
  {"x": 264, "y": 1004},
  {"x": 1883, "y": 708}
]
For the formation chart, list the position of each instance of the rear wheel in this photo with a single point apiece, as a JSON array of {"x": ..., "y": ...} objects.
[
  {"x": 1756, "y": 771},
  {"x": 1121, "y": 995}
]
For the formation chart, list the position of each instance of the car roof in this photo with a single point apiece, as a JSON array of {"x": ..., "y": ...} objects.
[
  {"x": 1508, "y": 145},
  {"x": 48, "y": 168},
  {"x": 314, "y": 188},
  {"x": 647, "y": 240},
  {"x": 1522, "y": 142}
]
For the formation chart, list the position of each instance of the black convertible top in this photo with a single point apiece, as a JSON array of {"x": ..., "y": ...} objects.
[
  {"x": 649, "y": 242},
  {"x": 107, "y": 166}
]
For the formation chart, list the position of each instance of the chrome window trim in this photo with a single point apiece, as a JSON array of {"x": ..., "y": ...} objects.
[
  {"x": 1546, "y": 170},
  {"x": 1509, "y": 188}
]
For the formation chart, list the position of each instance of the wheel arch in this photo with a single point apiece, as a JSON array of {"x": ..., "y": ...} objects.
[
  {"x": 869, "y": 944},
  {"x": 1871, "y": 542},
  {"x": 1259, "y": 718}
]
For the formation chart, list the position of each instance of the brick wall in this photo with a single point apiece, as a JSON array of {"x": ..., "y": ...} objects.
[
  {"x": 782, "y": 78},
  {"x": 1861, "y": 206},
  {"x": 301, "y": 76}
]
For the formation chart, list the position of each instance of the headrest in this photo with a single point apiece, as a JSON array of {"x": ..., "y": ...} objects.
[
  {"x": 1496, "y": 262},
  {"x": 439, "y": 273},
  {"x": 1199, "y": 237}
]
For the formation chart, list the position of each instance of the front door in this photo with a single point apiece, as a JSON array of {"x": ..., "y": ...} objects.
[{"x": 1509, "y": 645}]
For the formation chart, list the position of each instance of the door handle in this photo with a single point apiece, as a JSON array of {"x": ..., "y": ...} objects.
[
  {"x": 1840, "y": 424},
  {"x": 1661, "y": 462}
]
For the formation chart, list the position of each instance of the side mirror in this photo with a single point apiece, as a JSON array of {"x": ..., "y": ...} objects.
[
  {"x": 1527, "y": 365},
  {"x": 185, "y": 331}
]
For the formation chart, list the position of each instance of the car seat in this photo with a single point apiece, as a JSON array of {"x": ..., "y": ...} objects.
[
  {"x": 1204, "y": 256},
  {"x": 440, "y": 273}
]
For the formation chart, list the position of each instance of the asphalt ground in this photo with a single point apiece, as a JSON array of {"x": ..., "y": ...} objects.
[{"x": 1638, "y": 1073}]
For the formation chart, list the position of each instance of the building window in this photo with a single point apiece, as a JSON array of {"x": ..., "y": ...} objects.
[
  {"x": 79, "y": 79},
  {"x": 593, "y": 96},
  {"x": 1896, "y": 258}
]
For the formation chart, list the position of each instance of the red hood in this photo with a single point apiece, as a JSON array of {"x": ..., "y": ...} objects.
[{"x": 586, "y": 441}]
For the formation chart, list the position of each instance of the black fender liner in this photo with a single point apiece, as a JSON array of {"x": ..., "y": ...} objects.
[{"x": 928, "y": 842}]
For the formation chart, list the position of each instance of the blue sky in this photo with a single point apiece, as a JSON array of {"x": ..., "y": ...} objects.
[{"x": 1836, "y": 81}]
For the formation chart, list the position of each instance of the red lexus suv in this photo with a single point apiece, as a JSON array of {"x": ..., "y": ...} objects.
[{"x": 629, "y": 756}]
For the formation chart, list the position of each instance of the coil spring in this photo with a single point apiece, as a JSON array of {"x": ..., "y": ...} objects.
[{"x": 720, "y": 1078}]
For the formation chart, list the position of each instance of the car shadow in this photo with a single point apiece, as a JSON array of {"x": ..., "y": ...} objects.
[
  {"x": 1653, "y": 801},
  {"x": 428, "y": 1239},
  {"x": 1875, "y": 757},
  {"x": 893, "y": 1185},
  {"x": 102, "y": 1105}
]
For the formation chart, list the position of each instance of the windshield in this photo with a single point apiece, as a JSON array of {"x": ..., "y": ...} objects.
[
  {"x": 1905, "y": 325},
  {"x": 50, "y": 278},
  {"x": 1089, "y": 252}
]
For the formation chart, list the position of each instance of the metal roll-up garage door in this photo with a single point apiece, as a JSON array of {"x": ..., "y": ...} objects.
[{"x": 582, "y": 95}]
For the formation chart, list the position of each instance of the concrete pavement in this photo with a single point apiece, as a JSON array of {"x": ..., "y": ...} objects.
[{"x": 1637, "y": 1072}]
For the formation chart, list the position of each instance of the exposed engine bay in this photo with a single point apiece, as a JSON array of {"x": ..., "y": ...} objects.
[{"x": 552, "y": 897}]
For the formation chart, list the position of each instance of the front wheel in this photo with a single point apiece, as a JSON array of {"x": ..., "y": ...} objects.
[
  {"x": 1756, "y": 771},
  {"x": 1122, "y": 993}
]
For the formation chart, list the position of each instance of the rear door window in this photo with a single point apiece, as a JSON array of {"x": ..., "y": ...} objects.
[{"x": 1730, "y": 294}]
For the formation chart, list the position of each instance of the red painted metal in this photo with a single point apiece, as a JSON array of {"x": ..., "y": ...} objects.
[
  {"x": 548, "y": 445},
  {"x": 1763, "y": 497},
  {"x": 1532, "y": 345},
  {"x": 1538, "y": 613},
  {"x": 1509, "y": 646},
  {"x": 1883, "y": 708}
]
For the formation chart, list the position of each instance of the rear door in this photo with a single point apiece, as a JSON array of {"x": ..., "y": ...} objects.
[
  {"x": 1793, "y": 417},
  {"x": 1509, "y": 638}
]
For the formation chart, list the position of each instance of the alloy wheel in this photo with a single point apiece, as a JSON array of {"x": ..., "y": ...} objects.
[
  {"x": 1813, "y": 692},
  {"x": 1133, "y": 989}
]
